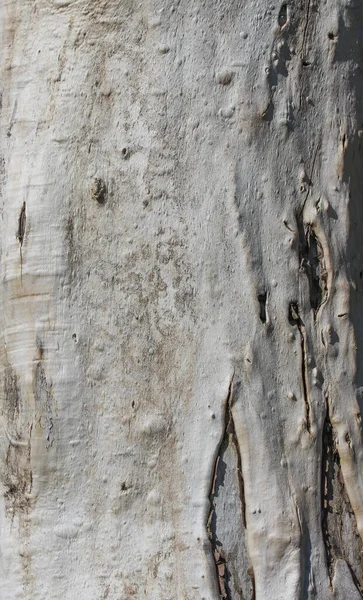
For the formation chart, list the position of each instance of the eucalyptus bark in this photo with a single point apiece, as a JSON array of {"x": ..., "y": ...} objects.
[{"x": 181, "y": 296}]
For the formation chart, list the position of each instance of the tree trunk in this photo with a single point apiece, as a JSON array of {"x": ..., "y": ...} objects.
[{"x": 181, "y": 300}]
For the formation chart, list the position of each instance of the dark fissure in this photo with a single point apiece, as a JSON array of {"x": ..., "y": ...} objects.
[
  {"x": 339, "y": 527},
  {"x": 312, "y": 264},
  {"x": 295, "y": 319},
  {"x": 234, "y": 573}
]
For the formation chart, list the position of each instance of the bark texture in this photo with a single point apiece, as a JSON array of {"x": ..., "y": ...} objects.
[{"x": 181, "y": 290}]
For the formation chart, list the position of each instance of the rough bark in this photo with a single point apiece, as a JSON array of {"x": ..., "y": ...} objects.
[{"x": 181, "y": 296}]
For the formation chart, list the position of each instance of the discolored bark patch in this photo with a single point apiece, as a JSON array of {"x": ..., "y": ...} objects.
[
  {"x": 17, "y": 478},
  {"x": 11, "y": 405},
  {"x": 16, "y": 473},
  {"x": 43, "y": 396}
]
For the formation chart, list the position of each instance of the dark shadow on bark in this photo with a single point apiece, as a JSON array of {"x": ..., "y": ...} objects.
[
  {"x": 350, "y": 48},
  {"x": 339, "y": 526}
]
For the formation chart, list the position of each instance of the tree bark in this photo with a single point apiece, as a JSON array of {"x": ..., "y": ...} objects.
[{"x": 181, "y": 299}]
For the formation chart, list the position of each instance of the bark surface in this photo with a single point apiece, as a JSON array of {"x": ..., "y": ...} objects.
[{"x": 181, "y": 290}]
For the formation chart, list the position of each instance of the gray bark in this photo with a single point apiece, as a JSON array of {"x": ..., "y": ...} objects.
[{"x": 181, "y": 296}]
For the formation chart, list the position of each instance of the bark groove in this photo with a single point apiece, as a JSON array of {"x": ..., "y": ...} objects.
[{"x": 235, "y": 578}]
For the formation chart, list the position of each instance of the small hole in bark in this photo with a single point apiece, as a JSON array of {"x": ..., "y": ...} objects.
[
  {"x": 331, "y": 35},
  {"x": 98, "y": 190},
  {"x": 294, "y": 317},
  {"x": 262, "y": 300}
]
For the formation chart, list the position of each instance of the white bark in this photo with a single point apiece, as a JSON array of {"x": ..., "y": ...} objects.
[{"x": 181, "y": 290}]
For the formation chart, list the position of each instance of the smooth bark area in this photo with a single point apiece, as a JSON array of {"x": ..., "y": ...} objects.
[{"x": 181, "y": 289}]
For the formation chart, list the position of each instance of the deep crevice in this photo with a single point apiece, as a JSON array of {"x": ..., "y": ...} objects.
[
  {"x": 282, "y": 16},
  {"x": 295, "y": 319},
  {"x": 262, "y": 298},
  {"x": 338, "y": 522},
  {"x": 222, "y": 572},
  {"x": 312, "y": 264}
]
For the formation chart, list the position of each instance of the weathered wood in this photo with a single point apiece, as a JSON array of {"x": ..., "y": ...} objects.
[{"x": 181, "y": 297}]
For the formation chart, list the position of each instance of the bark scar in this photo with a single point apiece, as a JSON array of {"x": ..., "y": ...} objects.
[
  {"x": 229, "y": 437},
  {"x": 21, "y": 224}
]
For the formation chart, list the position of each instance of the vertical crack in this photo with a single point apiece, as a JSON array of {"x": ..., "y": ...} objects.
[
  {"x": 295, "y": 319},
  {"x": 234, "y": 574},
  {"x": 241, "y": 485},
  {"x": 222, "y": 572},
  {"x": 21, "y": 234},
  {"x": 328, "y": 474},
  {"x": 338, "y": 522},
  {"x": 21, "y": 224}
]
